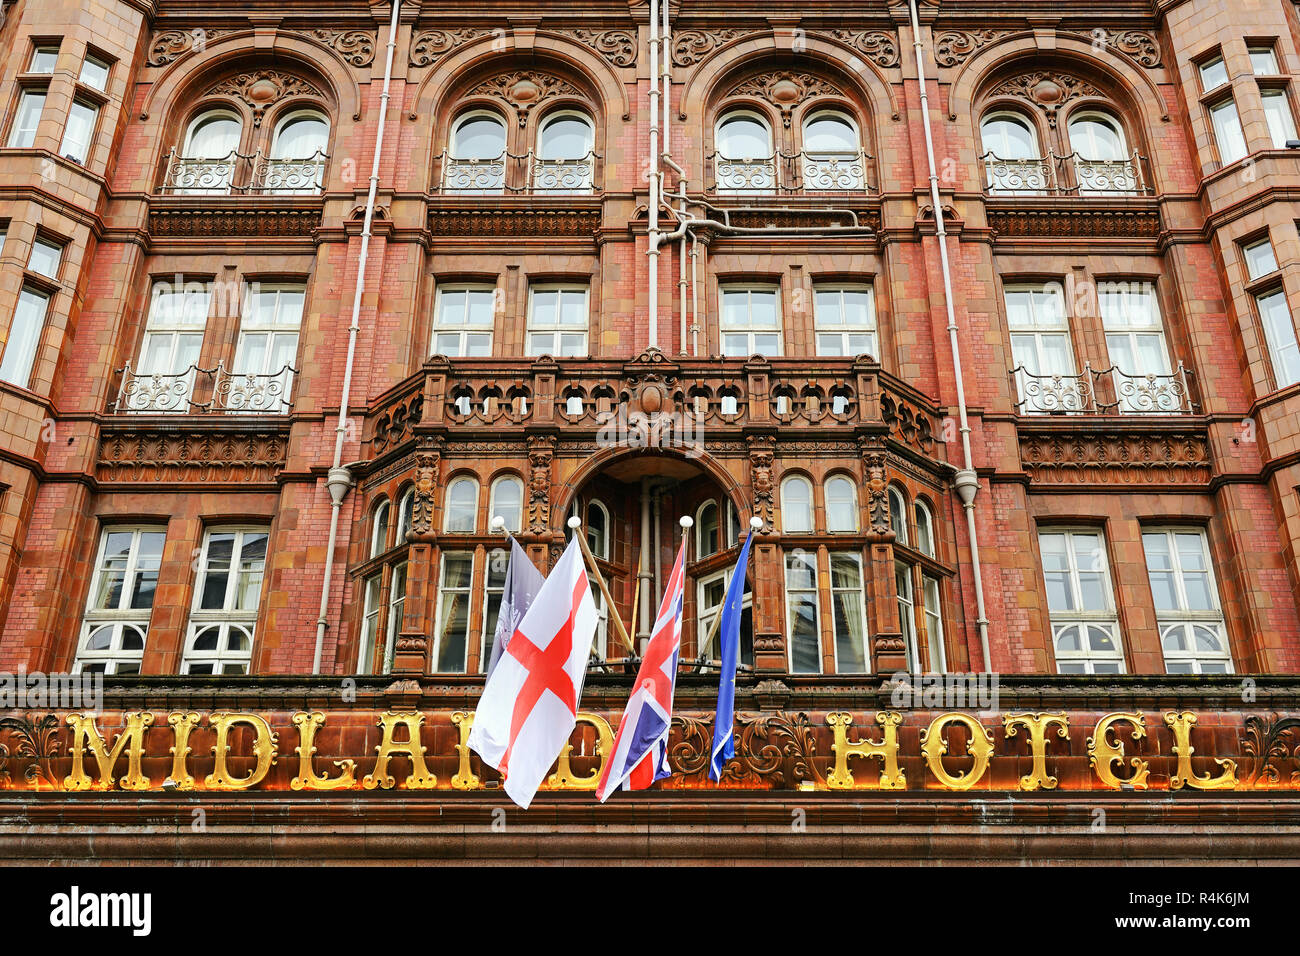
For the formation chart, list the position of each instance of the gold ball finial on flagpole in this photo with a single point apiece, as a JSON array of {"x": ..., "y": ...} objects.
[
  {"x": 756, "y": 522},
  {"x": 686, "y": 521},
  {"x": 498, "y": 523},
  {"x": 575, "y": 522}
]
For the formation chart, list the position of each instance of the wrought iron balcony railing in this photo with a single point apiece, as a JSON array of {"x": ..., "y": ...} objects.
[
  {"x": 1070, "y": 175},
  {"x": 202, "y": 390},
  {"x": 511, "y": 174},
  {"x": 240, "y": 174},
  {"x": 1088, "y": 392},
  {"x": 806, "y": 171}
]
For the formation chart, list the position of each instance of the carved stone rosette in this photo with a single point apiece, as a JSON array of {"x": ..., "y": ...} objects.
[{"x": 541, "y": 452}]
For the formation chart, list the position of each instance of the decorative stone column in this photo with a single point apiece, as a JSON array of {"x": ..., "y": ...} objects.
[
  {"x": 888, "y": 651},
  {"x": 411, "y": 655},
  {"x": 769, "y": 635}
]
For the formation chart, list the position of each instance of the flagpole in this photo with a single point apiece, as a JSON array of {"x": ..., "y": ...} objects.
[
  {"x": 755, "y": 524},
  {"x": 575, "y": 523}
]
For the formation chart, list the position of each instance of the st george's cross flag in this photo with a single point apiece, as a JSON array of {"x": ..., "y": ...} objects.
[
  {"x": 641, "y": 745},
  {"x": 530, "y": 704}
]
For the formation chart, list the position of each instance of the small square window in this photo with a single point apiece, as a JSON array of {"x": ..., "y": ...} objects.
[
  {"x": 1260, "y": 260},
  {"x": 44, "y": 258},
  {"x": 1214, "y": 73},
  {"x": 43, "y": 59},
  {"x": 94, "y": 72},
  {"x": 1263, "y": 61}
]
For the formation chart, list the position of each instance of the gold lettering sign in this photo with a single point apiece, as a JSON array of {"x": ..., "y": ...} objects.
[
  {"x": 1102, "y": 753},
  {"x": 465, "y": 778},
  {"x": 181, "y": 723},
  {"x": 841, "y": 777},
  {"x": 934, "y": 746},
  {"x": 307, "y": 777},
  {"x": 1181, "y": 724},
  {"x": 563, "y": 778},
  {"x": 420, "y": 778},
  {"x": 85, "y": 734},
  {"x": 1037, "y": 725},
  {"x": 263, "y": 749}
]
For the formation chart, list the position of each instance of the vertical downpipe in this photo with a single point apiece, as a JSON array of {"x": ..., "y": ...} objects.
[{"x": 652, "y": 238}]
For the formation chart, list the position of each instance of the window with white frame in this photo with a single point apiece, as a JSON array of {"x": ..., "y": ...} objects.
[
  {"x": 924, "y": 528},
  {"x": 22, "y": 135},
  {"x": 226, "y": 594},
  {"x": 1259, "y": 257},
  {"x": 1227, "y": 131},
  {"x": 796, "y": 505},
  {"x": 802, "y": 614},
  {"x": 907, "y": 614},
  {"x": 1040, "y": 346},
  {"x": 598, "y": 529},
  {"x": 1279, "y": 334},
  {"x": 507, "y": 501},
  {"x": 1277, "y": 113},
  {"x": 711, "y": 591},
  {"x": 565, "y": 155},
  {"x": 1263, "y": 60},
  {"x": 898, "y": 515},
  {"x": 477, "y": 160},
  {"x": 1012, "y": 162},
  {"x": 19, "y": 351},
  {"x": 846, "y": 320},
  {"x": 1188, "y": 613},
  {"x": 832, "y": 156},
  {"x": 462, "y": 325},
  {"x": 557, "y": 320},
  {"x": 750, "y": 321},
  {"x": 746, "y": 160},
  {"x": 44, "y": 58},
  {"x": 938, "y": 657},
  {"x": 1080, "y": 602},
  {"x": 78, "y": 131},
  {"x": 451, "y": 640},
  {"x": 405, "y": 514},
  {"x": 268, "y": 347},
  {"x": 1135, "y": 340},
  {"x": 1214, "y": 73},
  {"x": 841, "y": 504},
  {"x": 494, "y": 586},
  {"x": 379, "y": 522},
  {"x": 371, "y": 613},
  {"x": 708, "y": 534},
  {"x": 44, "y": 257},
  {"x": 169, "y": 354},
  {"x": 382, "y": 621},
  {"x": 94, "y": 72},
  {"x": 116, "y": 622},
  {"x": 208, "y": 154},
  {"x": 461, "y": 515},
  {"x": 849, "y": 613},
  {"x": 298, "y": 153}
]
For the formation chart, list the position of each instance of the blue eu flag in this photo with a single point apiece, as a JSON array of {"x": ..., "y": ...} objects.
[{"x": 724, "y": 747}]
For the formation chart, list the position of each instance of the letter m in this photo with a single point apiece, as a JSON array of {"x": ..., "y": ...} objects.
[{"x": 85, "y": 735}]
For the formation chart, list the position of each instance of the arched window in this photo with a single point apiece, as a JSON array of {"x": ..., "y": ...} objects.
[
  {"x": 746, "y": 160},
  {"x": 565, "y": 159},
  {"x": 841, "y": 504},
  {"x": 898, "y": 515},
  {"x": 379, "y": 521},
  {"x": 1102, "y": 164},
  {"x": 208, "y": 155},
  {"x": 796, "y": 505},
  {"x": 405, "y": 513},
  {"x": 298, "y": 151},
  {"x": 462, "y": 506},
  {"x": 924, "y": 529},
  {"x": 832, "y": 154},
  {"x": 507, "y": 501},
  {"x": 707, "y": 531},
  {"x": 477, "y": 157},
  {"x": 598, "y": 529},
  {"x": 1012, "y": 161}
]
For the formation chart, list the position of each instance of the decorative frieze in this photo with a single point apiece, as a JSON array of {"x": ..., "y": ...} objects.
[
  {"x": 1049, "y": 90},
  {"x": 189, "y": 454},
  {"x": 479, "y": 222},
  {"x": 428, "y": 46},
  {"x": 261, "y": 89},
  {"x": 1063, "y": 222},
  {"x": 785, "y": 89},
  {"x": 170, "y": 45},
  {"x": 523, "y": 90},
  {"x": 1139, "y": 46},
  {"x": 1115, "y": 456},
  {"x": 692, "y": 46},
  {"x": 357, "y": 47},
  {"x": 619, "y": 47},
  {"x": 877, "y": 46},
  {"x": 201, "y": 221},
  {"x": 954, "y": 46}
]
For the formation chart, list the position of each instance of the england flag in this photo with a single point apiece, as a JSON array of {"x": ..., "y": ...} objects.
[
  {"x": 641, "y": 746},
  {"x": 530, "y": 704}
]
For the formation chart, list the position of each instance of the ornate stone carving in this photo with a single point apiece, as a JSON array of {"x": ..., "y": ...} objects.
[
  {"x": 428, "y": 46},
  {"x": 1139, "y": 46},
  {"x": 169, "y": 45},
  {"x": 785, "y": 89},
  {"x": 907, "y": 422},
  {"x": 558, "y": 223},
  {"x": 692, "y": 46},
  {"x": 1049, "y": 90},
  {"x": 1112, "y": 456},
  {"x": 523, "y": 90},
  {"x": 34, "y": 740},
  {"x": 174, "y": 454},
  {"x": 202, "y": 221},
  {"x": 426, "y": 492},
  {"x": 762, "y": 457},
  {"x": 1018, "y": 222},
  {"x": 619, "y": 47},
  {"x": 260, "y": 89},
  {"x": 396, "y": 423},
  {"x": 873, "y": 466},
  {"x": 1268, "y": 744},
  {"x": 954, "y": 46},
  {"x": 357, "y": 47},
  {"x": 541, "y": 452},
  {"x": 878, "y": 47}
]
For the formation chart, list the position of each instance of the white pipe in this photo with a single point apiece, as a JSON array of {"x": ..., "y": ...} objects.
[
  {"x": 966, "y": 481},
  {"x": 652, "y": 237},
  {"x": 340, "y": 478},
  {"x": 658, "y": 521},
  {"x": 643, "y": 571},
  {"x": 695, "y": 294}
]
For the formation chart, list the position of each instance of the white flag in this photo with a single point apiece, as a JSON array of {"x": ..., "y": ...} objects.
[{"x": 530, "y": 704}]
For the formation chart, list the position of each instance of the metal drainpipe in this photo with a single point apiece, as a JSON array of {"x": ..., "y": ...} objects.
[
  {"x": 339, "y": 478},
  {"x": 966, "y": 482},
  {"x": 652, "y": 235}
]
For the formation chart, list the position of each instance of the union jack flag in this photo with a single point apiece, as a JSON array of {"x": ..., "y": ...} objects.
[{"x": 641, "y": 746}]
